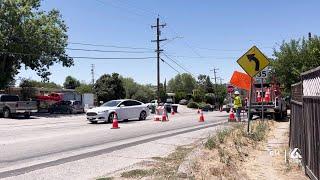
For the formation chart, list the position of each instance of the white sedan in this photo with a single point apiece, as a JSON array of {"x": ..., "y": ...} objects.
[{"x": 125, "y": 108}]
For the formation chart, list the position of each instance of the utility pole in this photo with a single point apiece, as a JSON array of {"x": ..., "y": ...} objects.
[
  {"x": 215, "y": 77},
  {"x": 158, "y": 51},
  {"x": 309, "y": 35},
  {"x": 221, "y": 79},
  {"x": 92, "y": 73},
  {"x": 215, "y": 83}
]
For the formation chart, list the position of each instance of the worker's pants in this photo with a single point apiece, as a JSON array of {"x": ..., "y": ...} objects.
[{"x": 238, "y": 114}]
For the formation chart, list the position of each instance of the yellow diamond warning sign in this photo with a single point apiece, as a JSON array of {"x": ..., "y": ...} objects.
[{"x": 253, "y": 61}]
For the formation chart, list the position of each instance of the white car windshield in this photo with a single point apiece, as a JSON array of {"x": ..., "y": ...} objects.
[{"x": 112, "y": 103}]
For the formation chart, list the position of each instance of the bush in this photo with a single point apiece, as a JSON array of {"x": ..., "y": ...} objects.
[
  {"x": 209, "y": 98},
  {"x": 259, "y": 132},
  {"x": 179, "y": 96},
  {"x": 193, "y": 105},
  {"x": 211, "y": 143},
  {"x": 203, "y": 105},
  {"x": 198, "y": 95},
  {"x": 222, "y": 135}
]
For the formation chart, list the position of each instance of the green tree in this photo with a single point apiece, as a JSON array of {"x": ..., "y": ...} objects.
[
  {"x": 182, "y": 83},
  {"x": 295, "y": 57},
  {"x": 84, "y": 88},
  {"x": 130, "y": 87},
  {"x": 30, "y": 38},
  {"x": 205, "y": 83},
  {"x": 143, "y": 93},
  {"x": 38, "y": 84},
  {"x": 109, "y": 87},
  {"x": 163, "y": 94},
  {"x": 221, "y": 93},
  {"x": 71, "y": 83},
  {"x": 28, "y": 90},
  {"x": 198, "y": 94}
]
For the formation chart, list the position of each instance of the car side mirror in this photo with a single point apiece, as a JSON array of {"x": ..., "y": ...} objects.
[{"x": 122, "y": 105}]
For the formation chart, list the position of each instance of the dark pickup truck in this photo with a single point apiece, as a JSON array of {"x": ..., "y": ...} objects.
[{"x": 11, "y": 105}]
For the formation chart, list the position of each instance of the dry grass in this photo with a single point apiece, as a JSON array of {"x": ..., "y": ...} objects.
[
  {"x": 225, "y": 151},
  {"x": 220, "y": 158},
  {"x": 163, "y": 168}
]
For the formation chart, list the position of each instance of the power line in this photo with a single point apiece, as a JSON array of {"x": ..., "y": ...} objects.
[
  {"x": 177, "y": 63},
  {"x": 122, "y": 8},
  {"x": 204, "y": 57},
  {"x": 141, "y": 9},
  {"x": 80, "y": 57},
  {"x": 186, "y": 43},
  {"x": 170, "y": 65},
  {"x": 112, "y": 46},
  {"x": 231, "y": 50},
  {"x": 110, "y": 58},
  {"x": 107, "y": 51}
]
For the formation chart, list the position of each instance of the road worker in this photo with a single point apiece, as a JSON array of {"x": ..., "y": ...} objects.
[{"x": 237, "y": 104}]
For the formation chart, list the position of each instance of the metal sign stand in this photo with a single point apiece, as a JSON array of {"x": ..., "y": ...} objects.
[
  {"x": 249, "y": 108},
  {"x": 262, "y": 109}
]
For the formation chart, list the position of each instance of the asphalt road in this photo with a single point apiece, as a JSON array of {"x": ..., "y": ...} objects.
[{"x": 30, "y": 144}]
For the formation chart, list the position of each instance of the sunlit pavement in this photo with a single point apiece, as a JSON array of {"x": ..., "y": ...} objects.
[{"x": 66, "y": 146}]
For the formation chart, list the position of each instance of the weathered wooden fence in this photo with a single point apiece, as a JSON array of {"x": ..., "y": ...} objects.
[{"x": 305, "y": 121}]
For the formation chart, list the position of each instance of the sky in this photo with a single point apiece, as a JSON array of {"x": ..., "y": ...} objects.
[{"x": 202, "y": 35}]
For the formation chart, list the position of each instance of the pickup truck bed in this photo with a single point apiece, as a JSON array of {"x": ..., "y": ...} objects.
[{"x": 10, "y": 106}]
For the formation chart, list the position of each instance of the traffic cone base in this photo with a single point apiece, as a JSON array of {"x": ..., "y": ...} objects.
[
  {"x": 201, "y": 119},
  {"x": 115, "y": 124},
  {"x": 231, "y": 116},
  {"x": 164, "y": 116}
]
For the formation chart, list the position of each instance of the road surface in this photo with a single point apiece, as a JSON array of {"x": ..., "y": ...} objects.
[{"x": 31, "y": 145}]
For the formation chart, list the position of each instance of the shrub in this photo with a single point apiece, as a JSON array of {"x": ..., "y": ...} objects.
[
  {"x": 259, "y": 132},
  {"x": 222, "y": 135},
  {"x": 209, "y": 98},
  {"x": 198, "y": 95},
  {"x": 211, "y": 143},
  {"x": 193, "y": 105},
  {"x": 179, "y": 96}
]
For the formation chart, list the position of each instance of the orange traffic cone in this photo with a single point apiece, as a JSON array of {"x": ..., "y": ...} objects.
[
  {"x": 164, "y": 115},
  {"x": 267, "y": 95},
  {"x": 259, "y": 99},
  {"x": 231, "y": 116},
  {"x": 115, "y": 122},
  {"x": 172, "y": 112},
  {"x": 201, "y": 119}
]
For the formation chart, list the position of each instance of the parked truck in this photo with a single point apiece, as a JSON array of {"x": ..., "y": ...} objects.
[
  {"x": 10, "y": 105},
  {"x": 270, "y": 99}
]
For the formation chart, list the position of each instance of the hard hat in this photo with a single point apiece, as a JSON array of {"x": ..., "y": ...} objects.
[{"x": 237, "y": 93}]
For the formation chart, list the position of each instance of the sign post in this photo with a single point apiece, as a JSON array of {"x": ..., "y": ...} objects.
[
  {"x": 262, "y": 109},
  {"x": 250, "y": 102},
  {"x": 262, "y": 75},
  {"x": 253, "y": 62}
]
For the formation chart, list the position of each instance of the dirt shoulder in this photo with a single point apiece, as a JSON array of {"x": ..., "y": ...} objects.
[
  {"x": 230, "y": 153},
  {"x": 271, "y": 160}
]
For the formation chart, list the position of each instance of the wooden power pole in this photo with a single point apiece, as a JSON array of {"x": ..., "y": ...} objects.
[{"x": 158, "y": 51}]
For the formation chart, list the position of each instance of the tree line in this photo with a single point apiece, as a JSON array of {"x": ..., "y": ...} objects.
[{"x": 293, "y": 58}]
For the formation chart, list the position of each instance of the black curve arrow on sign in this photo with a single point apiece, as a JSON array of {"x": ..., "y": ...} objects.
[{"x": 251, "y": 57}]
